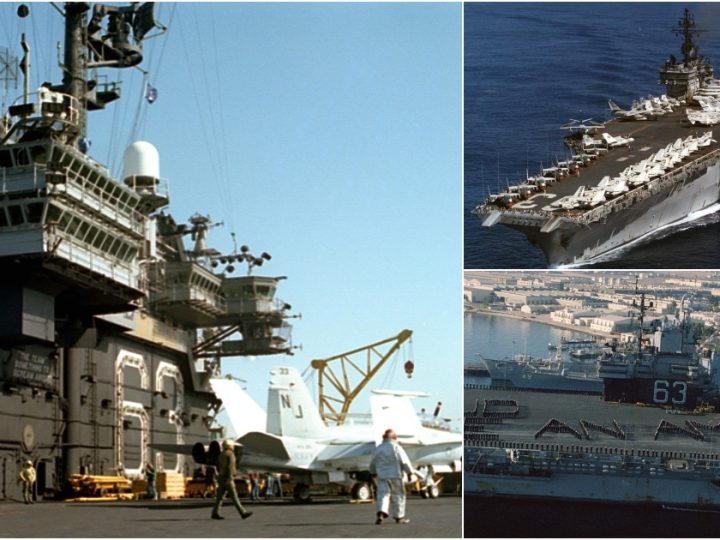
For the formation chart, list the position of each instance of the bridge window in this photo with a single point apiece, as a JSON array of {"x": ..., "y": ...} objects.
[
  {"x": 263, "y": 290},
  {"x": 82, "y": 231},
  {"x": 34, "y": 212},
  {"x": 106, "y": 244},
  {"x": 39, "y": 154},
  {"x": 16, "y": 216},
  {"x": 63, "y": 220},
  {"x": 122, "y": 251},
  {"x": 114, "y": 193},
  {"x": 53, "y": 214},
  {"x": 97, "y": 185},
  {"x": 21, "y": 157},
  {"x": 99, "y": 240},
  {"x": 73, "y": 225},
  {"x": 5, "y": 159},
  {"x": 91, "y": 235},
  {"x": 78, "y": 168},
  {"x": 124, "y": 196},
  {"x": 112, "y": 249}
]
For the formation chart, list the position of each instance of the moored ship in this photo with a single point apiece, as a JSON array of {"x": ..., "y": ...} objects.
[
  {"x": 476, "y": 374},
  {"x": 111, "y": 326},
  {"x": 650, "y": 439},
  {"x": 554, "y": 373},
  {"x": 654, "y": 166}
]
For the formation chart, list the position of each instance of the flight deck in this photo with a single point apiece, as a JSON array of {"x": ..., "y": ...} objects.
[
  {"x": 436, "y": 518},
  {"x": 648, "y": 136},
  {"x": 662, "y": 172}
]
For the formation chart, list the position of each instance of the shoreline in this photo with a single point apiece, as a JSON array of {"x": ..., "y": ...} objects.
[{"x": 542, "y": 319}]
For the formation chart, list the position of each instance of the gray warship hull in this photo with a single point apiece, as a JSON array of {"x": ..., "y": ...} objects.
[
  {"x": 511, "y": 374},
  {"x": 96, "y": 407},
  {"x": 615, "y": 488},
  {"x": 530, "y": 444},
  {"x": 661, "y": 204}
]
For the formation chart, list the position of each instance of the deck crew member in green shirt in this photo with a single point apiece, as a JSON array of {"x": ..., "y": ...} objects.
[{"x": 226, "y": 482}]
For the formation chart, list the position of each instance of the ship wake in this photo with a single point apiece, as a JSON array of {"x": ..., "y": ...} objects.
[{"x": 701, "y": 218}]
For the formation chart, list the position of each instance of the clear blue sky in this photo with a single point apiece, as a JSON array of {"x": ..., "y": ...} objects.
[{"x": 328, "y": 135}]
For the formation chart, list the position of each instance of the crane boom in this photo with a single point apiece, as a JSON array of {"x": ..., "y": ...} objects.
[{"x": 341, "y": 381}]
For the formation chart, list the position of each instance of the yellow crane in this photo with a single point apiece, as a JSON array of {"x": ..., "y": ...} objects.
[{"x": 334, "y": 408}]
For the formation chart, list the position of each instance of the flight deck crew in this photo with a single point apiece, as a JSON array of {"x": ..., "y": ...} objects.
[
  {"x": 269, "y": 485},
  {"x": 226, "y": 482},
  {"x": 254, "y": 486},
  {"x": 27, "y": 476},
  {"x": 210, "y": 484},
  {"x": 150, "y": 477},
  {"x": 389, "y": 462}
]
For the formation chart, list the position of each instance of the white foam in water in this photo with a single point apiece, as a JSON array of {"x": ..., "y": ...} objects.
[{"x": 676, "y": 226}]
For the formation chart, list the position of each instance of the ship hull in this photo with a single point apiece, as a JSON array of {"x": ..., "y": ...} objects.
[
  {"x": 609, "y": 488},
  {"x": 526, "y": 444},
  {"x": 95, "y": 408},
  {"x": 513, "y": 375},
  {"x": 573, "y": 243}
]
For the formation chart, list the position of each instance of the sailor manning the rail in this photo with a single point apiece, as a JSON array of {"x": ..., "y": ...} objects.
[
  {"x": 389, "y": 462},
  {"x": 226, "y": 482}
]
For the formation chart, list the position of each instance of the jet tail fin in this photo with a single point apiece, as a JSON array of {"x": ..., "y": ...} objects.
[
  {"x": 395, "y": 412},
  {"x": 244, "y": 414},
  {"x": 291, "y": 411},
  {"x": 614, "y": 107}
]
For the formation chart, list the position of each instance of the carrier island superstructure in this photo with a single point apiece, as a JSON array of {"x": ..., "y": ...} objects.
[
  {"x": 650, "y": 437},
  {"x": 110, "y": 326},
  {"x": 653, "y": 166}
]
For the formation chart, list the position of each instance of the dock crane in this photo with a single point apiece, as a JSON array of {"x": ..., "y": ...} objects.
[{"x": 334, "y": 408}]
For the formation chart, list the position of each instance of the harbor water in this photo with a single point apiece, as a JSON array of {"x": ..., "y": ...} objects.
[
  {"x": 529, "y": 68},
  {"x": 498, "y": 337}
]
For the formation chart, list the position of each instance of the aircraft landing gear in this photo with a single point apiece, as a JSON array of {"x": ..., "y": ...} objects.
[
  {"x": 361, "y": 491},
  {"x": 301, "y": 493}
]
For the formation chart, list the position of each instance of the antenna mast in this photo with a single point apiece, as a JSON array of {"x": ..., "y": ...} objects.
[{"x": 92, "y": 44}]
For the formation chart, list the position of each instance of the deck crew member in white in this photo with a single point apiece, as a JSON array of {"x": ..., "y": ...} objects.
[{"x": 389, "y": 462}]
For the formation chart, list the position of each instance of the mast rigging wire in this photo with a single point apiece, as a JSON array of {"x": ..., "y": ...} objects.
[{"x": 220, "y": 181}]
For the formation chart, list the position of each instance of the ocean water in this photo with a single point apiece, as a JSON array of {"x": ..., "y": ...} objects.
[{"x": 529, "y": 68}]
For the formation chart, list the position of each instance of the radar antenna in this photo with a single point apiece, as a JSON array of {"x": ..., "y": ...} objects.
[
  {"x": 687, "y": 29},
  {"x": 642, "y": 308},
  {"x": 8, "y": 73}
]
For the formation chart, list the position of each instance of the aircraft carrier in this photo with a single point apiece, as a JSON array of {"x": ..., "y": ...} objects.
[
  {"x": 111, "y": 327},
  {"x": 649, "y": 440},
  {"x": 655, "y": 165}
]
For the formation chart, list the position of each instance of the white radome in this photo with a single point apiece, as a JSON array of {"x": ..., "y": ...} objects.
[{"x": 141, "y": 160}]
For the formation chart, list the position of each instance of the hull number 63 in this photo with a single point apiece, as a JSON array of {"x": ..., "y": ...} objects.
[{"x": 670, "y": 392}]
